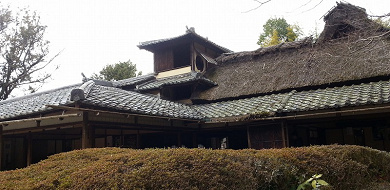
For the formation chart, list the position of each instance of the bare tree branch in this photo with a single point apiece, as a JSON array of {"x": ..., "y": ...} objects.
[
  {"x": 380, "y": 16},
  {"x": 313, "y": 7},
  {"x": 300, "y": 6},
  {"x": 261, "y": 3}
]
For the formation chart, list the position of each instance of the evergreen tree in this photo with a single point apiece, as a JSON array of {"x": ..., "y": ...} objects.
[
  {"x": 280, "y": 29},
  {"x": 117, "y": 71}
]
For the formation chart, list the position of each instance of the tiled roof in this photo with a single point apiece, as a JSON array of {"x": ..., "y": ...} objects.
[
  {"x": 265, "y": 106},
  {"x": 247, "y": 106},
  {"x": 355, "y": 95},
  {"x": 129, "y": 101},
  {"x": 345, "y": 96},
  {"x": 144, "y": 45},
  {"x": 35, "y": 103},
  {"x": 174, "y": 80},
  {"x": 134, "y": 80}
]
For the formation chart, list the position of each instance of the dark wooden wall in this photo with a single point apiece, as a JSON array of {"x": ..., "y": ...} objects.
[
  {"x": 265, "y": 137},
  {"x": 163, "y": 60}
]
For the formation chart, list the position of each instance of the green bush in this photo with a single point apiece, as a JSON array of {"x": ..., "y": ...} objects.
[{"x": 343, "y": 167}]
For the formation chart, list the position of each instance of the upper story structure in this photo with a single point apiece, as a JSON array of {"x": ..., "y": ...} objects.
[
  {"x": 183, "y": 54},
  {"x": 179, "y": 65}
]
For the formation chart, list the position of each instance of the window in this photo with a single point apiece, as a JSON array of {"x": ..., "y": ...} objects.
[
  {"x": 199, "y": 64},
  {"x": 181, "y": 56}
]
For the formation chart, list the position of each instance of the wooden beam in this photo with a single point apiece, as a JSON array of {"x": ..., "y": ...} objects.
[
  {"x": 41, "y": 128},
  {"x": 114, "y": 125},
  {"x": 29, "y": 149},
  {"x": 38, "y": 119}
]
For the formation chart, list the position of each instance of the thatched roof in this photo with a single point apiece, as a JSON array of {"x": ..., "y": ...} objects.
[
  {"x": 344, "y": 19},
  {"x": 351, "y": 54}
]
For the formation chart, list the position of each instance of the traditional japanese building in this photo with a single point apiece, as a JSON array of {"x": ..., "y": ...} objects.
[{"x": 335, "y": 89}]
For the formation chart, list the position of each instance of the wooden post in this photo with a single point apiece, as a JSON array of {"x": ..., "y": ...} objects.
[
  {"x": 138, "y": 140},
  {"x": 105, "y": 137},
  {"x": 1, "y": 147},
  {"x": 286, "y": 132},
  {"x": 248, "y": 137},
  {"x": 29, "y": 149},
  {"x": 282, "y": 125},
  {"x": 179, "y": 143},
  {"x": 194, "y": 141},
  {"x": 122, "y": 139},
  {"x": 87, "y": 136}
]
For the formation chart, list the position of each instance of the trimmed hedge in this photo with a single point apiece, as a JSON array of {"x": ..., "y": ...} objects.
[{"x": 344, "y": 167}]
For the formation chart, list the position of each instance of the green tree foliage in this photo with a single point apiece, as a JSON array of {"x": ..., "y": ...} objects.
[
  {"x": 280, "y": 29},
  {"x": 23, "y": 50},
  {"x": 384, "y": 22},
  {"x": 117, "y": 71},
  {"x": 274, "y": 40}
]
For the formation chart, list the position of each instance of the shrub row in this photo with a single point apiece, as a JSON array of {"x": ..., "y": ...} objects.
[{"x": 344, "y": 167}]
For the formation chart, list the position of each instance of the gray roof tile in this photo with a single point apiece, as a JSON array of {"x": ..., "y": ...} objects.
[
  {"x": 114, "y": 98},
  {"x": 134, "y": 80},
  {"x": 174, "y": 80},
  {"x": 35, "y": 103},
  {"x": 354, "y": 95},
  {"x": 256, "y": 105}
]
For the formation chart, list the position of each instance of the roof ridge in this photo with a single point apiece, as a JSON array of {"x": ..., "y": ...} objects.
[
  {"x": 87, "y": 86},
  {"x": 233, "y": 57},
  {"x": 142, "y": 45},
  {"x": 139, "y": 76},
  {"x": 82, "y": 92},
  {"x": 285, "y": 100}
]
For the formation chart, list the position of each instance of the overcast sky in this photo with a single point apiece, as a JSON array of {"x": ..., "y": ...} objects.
[{"x": 92, "y": 34}]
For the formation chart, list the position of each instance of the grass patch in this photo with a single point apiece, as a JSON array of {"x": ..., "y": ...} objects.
[{"x": 343, "y": 167}]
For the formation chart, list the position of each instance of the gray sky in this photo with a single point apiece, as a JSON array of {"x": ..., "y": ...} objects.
[{"x": 93, "y": 34}]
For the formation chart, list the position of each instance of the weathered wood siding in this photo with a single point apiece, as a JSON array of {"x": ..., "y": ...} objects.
[
  {"x": 265, "y": 137},
  {"x": 163, "y": 60},
  {"x": 207, "y": 51}
]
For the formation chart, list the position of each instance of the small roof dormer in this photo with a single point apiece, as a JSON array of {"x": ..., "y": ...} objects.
[{"x": 185, "y": 53}]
